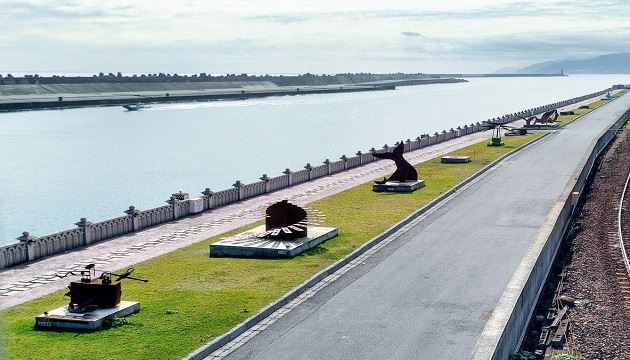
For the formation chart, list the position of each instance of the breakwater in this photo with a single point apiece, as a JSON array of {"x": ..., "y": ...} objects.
[
  {"x": 37, "y": 96},
  {"x": 120, "y": 94},
  {"x": 32, "y": 248}
]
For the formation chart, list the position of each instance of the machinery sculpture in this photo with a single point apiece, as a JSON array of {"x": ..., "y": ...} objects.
[
  {"x": 496, "y": 139},
  {"x": 91, "y": 292}
]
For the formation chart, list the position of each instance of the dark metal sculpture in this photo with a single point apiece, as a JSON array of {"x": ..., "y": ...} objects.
[
  {"x": 287, "y": 221},
  {"x": 530, "y": 120},
  {"x": 404, "y": 170},
  {"x": 510, "y": 130},
  {"x": 496, "y": 127},
  {"x": 91, "y": 293},
  {"x": 549, "y": 117},
  {"x": 284, "y": 220},
  {"x": 546, "y": 118}
]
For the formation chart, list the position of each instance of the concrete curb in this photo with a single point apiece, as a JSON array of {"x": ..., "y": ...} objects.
[
  {"x": 506, "y": 328},
  {"x": 217, "y": 343}
]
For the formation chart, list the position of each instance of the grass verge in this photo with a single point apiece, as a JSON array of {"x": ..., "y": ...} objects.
[
  {"x": 565, "y": 119},
  {"x": 192, "y": 298}
]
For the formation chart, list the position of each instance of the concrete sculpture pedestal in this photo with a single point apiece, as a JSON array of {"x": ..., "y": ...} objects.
[
  {"x": 247, "y": 244},
  {"x": 455, "y": 159},
  {"x": 398, "y": 186},
  {"x": 62, "y": 319},
  {"x": 550, "y": 126}
]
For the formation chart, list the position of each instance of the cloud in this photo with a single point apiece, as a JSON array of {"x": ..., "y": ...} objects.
[
  {"x": 478, "y": 11},
  {"x": 305, "y": 35},
  {"x": 283, "y": 19},
  {"x": 411, "y": 34},
  {"x": 62, "y": 10}
]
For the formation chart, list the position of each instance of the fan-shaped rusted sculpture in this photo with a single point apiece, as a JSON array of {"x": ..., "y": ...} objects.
[
  {"x": 404, "y": 170},
  {"x": 284, "y": 220}
]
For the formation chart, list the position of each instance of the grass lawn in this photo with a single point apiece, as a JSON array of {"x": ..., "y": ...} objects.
[
  {"x": 565, "y": 119},
  {"x": 192, "y": 298}
]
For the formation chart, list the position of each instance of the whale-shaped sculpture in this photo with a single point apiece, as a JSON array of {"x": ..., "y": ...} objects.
[{"x": 404, "y": 170}]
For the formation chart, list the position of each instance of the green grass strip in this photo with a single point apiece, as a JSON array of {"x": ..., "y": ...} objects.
[
  {"x": 565, "y": 119},
  {"x": 192, "y": 298}
]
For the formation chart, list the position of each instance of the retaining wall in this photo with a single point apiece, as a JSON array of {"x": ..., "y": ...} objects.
[
  {"x": 506, "y": 328},
  {"x": 30, "y": 248}
]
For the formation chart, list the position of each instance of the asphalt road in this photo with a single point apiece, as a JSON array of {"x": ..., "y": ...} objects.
[{"x": 428, "y": 294}]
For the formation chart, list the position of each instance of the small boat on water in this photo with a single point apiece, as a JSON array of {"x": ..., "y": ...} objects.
[{"x": 134, "y": 107}]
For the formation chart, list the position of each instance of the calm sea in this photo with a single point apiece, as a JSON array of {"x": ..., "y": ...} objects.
[{"x": 60, "y": 165}]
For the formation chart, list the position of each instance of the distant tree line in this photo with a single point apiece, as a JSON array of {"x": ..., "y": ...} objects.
[{"x": 282, "y": 80}]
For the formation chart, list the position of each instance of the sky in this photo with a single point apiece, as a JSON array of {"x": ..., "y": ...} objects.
[{"x": 295, "y": 36}]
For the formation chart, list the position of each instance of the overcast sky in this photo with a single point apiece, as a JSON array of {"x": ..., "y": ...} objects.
[{"x": 295, "y": 36}]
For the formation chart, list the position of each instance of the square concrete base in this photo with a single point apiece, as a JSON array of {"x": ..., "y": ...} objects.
[
  {"x": 455, "y": 159},
  {"x": 62, "y": 319},
  {"x": 396, "y": 186},
  {"x": 246, "y": 244}
]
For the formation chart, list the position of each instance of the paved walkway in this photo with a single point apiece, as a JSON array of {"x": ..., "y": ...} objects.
[
  {"x": 33, "y": 280},
  {"x": 428, "y": 290}
]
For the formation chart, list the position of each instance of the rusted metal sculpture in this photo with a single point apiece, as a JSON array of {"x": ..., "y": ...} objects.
[
  {"x": 530, "y": 120},
  {"x": 91, "y": 293},
  {"x": 549, "y": 117},
  {"x": 284, "y": 220},
  {"x": 287, "y": 221},
  {"x": 546, "y": 118},
  {"x": 404, "y": 170}
]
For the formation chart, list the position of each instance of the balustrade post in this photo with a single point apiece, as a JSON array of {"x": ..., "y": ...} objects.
[
  {"x": 266, "y": 180},
  {"x": 327, "y": 163},
  {"x": 175, "y": 200},
  {"x": 309, "y": 168},
  {"x": 208, "y": 198},
  {"x": 29, "y": 241},
  {"x": 344, "y": 159},
  {"x": 86, "y": 226},
  {"x": 289, "y": 174},
  {"x": 135, "y": 217},
  {"x": 239, "y": 186}
]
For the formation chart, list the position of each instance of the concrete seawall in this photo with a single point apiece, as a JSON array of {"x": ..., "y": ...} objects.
[
  {"x": 31, "y": 248},
  {"x": 506, "y": 327}
]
